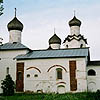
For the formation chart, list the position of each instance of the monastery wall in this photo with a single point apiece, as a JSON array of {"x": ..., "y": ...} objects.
[{"x": 40, "y": 74}]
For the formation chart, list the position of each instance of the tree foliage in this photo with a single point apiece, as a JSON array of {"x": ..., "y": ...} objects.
[
  {"x": 1, "y": 7},
  {"x": 8, "y": 86}
]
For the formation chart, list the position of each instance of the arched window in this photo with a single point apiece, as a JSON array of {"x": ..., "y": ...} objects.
[
  {"x": 61, "y": 89},
  {"x": 59, "y": 73},
  {"x": 7, "y": 70},
  {"x": 67, "y": 46},
  {"x": 91, "y": 72}
]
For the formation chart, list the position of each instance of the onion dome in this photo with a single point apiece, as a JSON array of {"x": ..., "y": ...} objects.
[
  {"x": 74, "y": 22},
  {"x": 54, "y": 39},
  {"x": 15, "y": 24}
]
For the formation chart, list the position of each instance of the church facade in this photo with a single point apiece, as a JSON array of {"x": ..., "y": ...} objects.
[{"x": 53, "y": 70}]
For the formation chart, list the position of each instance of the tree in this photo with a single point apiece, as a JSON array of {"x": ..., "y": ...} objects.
[
  {"x": 8, "y": 86},
  {"x": 1, "y": 7}
]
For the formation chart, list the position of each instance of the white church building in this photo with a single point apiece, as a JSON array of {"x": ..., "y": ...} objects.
[{"x": 53, "y": 70}]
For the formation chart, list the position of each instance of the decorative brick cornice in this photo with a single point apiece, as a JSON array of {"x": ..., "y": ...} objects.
[
  {"x": 56, "y": 66},
  {"x": 76, "y": 37},
  {"x": 61, "y": 83},
  {"x": 34, "y": 68}
]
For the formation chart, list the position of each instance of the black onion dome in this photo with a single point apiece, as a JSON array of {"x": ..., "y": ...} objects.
[
  {"x": 74, "y": 22},
  {"x": 54, "y": 39},
  {"x": 15, "y": 24}
]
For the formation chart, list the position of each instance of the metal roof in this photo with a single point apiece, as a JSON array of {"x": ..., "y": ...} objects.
[
  {"x": 61, "y": 53},
  {"x": 12, "y": 46},
  {"x": 94, "y": 63}
]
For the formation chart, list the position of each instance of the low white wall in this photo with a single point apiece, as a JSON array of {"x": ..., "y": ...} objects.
[{"x": 93, "y": 81}]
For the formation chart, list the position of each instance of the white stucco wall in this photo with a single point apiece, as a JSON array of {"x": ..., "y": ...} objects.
[
  {"x": 94, "y": 81},
  {"x": 55, "y": 46},
  {"x": 6, "y": 60},
  {"x": 75, "y": 44},
  {"x": 75, "y": 30},
  {"x": 14, "y": 36},
  {"x": 81, "y": 75},
  {"x": 46, "y": 81}
]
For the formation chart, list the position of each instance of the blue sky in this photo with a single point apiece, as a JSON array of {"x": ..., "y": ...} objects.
[{"x": 41, "y": 16}]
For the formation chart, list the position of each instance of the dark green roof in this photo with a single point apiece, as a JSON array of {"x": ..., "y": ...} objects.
[
  {"x": 54, "y": 39},
  {"x": 61, "y": 53},
  {"x": 13, "y": 46},
  {"x": 15, "y": 24},
  {"x": 94, "y": 63},
  {"x": 74, "y": 22}
]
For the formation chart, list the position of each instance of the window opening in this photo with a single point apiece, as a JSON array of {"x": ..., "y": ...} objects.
[
  {"x": 20, "y": 76},
  {"x": 7, "y": 70},
  {"x": 28, "y": 75},
  {"x": 35, "y": 75},
  {"x": 91, "y": 72},
  {"x": 59, "y": 73}
]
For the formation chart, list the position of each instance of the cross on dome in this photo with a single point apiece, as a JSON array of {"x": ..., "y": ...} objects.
[{"x": 15, "y": 12}]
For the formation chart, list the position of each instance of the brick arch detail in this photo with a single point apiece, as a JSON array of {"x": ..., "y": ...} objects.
[
  {"x": 61, "y": 83},
  {"x": 56, "y": 66},
  {"x": 34, "y": 68}
]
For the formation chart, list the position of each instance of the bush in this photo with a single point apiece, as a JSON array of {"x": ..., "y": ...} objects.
[
  {"x": 97, "y": 97},
  {"x": 8, "y": 86}
]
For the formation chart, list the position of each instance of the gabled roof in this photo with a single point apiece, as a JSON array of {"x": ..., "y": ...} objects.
[
  {"x": 12, "y": 46},
  {"x": 94, "y": 63},
  {"x": 61, "y": 53}
]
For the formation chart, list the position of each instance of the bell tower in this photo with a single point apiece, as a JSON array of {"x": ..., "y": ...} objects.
[
  {"x": 75, "y": 39},
  {"x": 15, "y": 28}
]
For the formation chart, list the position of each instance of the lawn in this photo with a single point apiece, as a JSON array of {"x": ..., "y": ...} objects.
[{"x": 67, "y": 96}]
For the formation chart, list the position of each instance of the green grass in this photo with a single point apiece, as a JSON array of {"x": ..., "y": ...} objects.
[{"x": 67, "y": 96}]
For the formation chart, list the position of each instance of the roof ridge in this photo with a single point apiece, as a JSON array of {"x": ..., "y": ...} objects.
[{"x": 59, "y": 49}]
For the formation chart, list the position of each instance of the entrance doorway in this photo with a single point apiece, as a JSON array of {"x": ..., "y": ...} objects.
[{"x": 20, "y": 77}]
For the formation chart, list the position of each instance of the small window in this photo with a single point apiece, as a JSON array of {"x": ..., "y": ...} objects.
[
  {"x": 7, "y": 70},
  {"x": 59, "y": 73},
  {"x": 91, "y": 72},
  {"x": 67, "y": 46},
  {"x": 35, "y": 75},
  {"x": 19, "y": 76},
  {"x": 28, "y": 75},
  {"x": 81, "y": 45}
]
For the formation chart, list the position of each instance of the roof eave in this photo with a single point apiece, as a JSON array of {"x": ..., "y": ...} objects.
[
  {"x": 49, "y": 57},
  {"x": 14, "y": 49}
]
